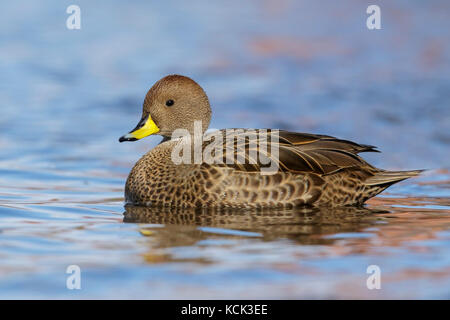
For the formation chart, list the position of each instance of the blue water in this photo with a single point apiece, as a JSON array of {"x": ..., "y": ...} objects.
[{"x": 66, "y": 96}]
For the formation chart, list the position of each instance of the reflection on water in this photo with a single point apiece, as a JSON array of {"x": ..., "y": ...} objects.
[
  {"x": 303, "y": 225},
  {"x": 308, "y": 66}
]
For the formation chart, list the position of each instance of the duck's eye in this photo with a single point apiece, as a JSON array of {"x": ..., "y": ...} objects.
[{"x": 170, "y": 103}]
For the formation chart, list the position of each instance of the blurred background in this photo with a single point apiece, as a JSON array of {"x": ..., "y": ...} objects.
[
  {"x": 310, "y": 66},
  {"x": 66, "y": 96}
]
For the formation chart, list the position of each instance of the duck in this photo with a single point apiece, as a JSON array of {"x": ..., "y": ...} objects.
[{"x": 193, "y": 167}]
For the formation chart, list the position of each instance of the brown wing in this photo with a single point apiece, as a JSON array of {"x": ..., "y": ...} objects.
[
  {"x": 316, "y": 141},
  {"x": 297, "y": 152}
]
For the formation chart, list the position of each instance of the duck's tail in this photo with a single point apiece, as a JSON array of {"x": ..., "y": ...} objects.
[{"x": 387, "y": 178}]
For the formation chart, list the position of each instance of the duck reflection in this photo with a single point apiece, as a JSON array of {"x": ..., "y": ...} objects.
[{"x": 305, "y": 225}]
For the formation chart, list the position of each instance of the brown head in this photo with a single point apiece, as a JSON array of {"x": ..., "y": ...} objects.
[{"x": 174, "y": 102}]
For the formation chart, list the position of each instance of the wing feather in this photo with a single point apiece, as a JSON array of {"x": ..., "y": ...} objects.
[{"x": 297, "y": 152}]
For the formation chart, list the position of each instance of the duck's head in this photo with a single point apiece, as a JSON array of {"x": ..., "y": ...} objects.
[{"x": 174, "y": 102}]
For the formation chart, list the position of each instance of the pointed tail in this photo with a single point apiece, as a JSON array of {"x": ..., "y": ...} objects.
[{"x": 387, "y": 178}]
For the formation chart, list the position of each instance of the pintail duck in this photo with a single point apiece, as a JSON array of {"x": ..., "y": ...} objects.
[{"x": 310, "y": 169}]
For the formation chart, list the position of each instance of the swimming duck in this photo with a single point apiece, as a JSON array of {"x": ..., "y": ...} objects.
[{"x": 260, "y": 168}]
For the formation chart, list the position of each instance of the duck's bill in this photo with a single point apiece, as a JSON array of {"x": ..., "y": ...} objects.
[{"x": 144, "y": 128}]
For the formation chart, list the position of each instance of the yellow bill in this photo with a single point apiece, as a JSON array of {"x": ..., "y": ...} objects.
[{"x": 144, "y": 128}]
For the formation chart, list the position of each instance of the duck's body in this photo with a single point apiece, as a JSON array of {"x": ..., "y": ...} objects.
[{"x": 313, "y": 170}]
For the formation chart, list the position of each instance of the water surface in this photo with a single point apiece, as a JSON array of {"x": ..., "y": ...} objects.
[{"x": 67, "y": 96}]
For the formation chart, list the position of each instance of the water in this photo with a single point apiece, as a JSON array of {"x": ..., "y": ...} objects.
[{"x": 67, "y": 96}]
